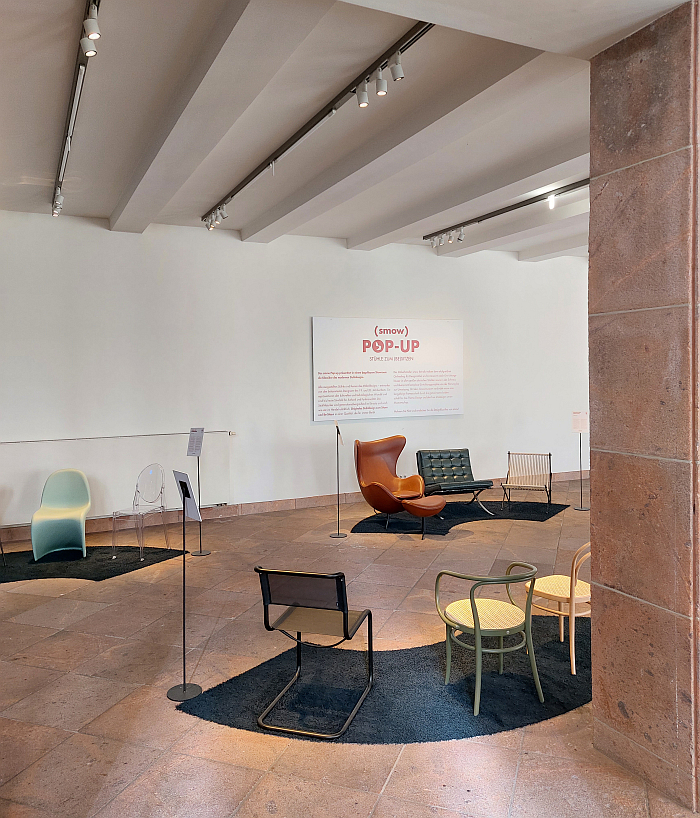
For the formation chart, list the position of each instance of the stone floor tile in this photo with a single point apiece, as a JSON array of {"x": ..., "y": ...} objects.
[
  {"x": 463, "y": 776},
  {"x": 68, "y": 702},
  {"x": 59, "y": 612},
  {"x": 179, "y": 786},
  {"x": 413, "y": 629},
  {"x": 571, "y": 788},
  {"x": 396, "y": 808},
  {"x": 77, "y": 778},
  {"x": 17, "y": 603},
  {"x": 19, "y": 681},
  {"x": 15, "y": 637},
  {"x": 145, "y": 717},
  {"x": 51, "y": 586},
  {"x": 136, "y": 662},
  {"x": 390, "y": 575},
  {"x": 168, "y": 629},
  {"x": 64, "y": 650},
  {"x": 567, "y": 736},
  {"x": 122, "y": 619},
  {"x": 363, "y": 595},
  {"x": 10, "y": 809},
  {"x": 363, "y": 767},
  {"x": 292, "y": 797},
  {"x": 22, "y": 744},
  {"x": 232, "y": 746}
]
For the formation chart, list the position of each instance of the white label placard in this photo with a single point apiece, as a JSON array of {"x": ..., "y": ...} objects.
[
  {"x": 194, "y": 444},
  {"x": 579, "y": 422},
  {"x": 371, "y": 368}
]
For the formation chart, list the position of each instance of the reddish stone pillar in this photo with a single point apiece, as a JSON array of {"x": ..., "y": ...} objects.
[{"x": 644, "y": 399}]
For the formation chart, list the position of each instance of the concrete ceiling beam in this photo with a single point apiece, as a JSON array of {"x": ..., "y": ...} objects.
[
  {"x": 437, "y": 123},
  {"x": 570, "y": 246},
  {"x": 225, "y": 79}
]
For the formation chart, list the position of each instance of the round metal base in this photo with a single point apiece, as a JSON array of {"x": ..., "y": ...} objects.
[
  {"x": 181, "y": 693},
  {"x": 582, "y": 508},
  {"x": 338, "y": 536},
  {"x": 201, "y": 553}
]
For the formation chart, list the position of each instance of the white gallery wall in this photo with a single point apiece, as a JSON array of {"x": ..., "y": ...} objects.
[{"x": 112, "y": 334}]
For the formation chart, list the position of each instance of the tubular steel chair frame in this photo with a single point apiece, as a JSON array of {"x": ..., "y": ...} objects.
[
  {"x": 453, "y": 627},
  {"x": 528, "y": 472},
  {"x": 572, "y": 599},
  {"x": 329, "y": 616}
]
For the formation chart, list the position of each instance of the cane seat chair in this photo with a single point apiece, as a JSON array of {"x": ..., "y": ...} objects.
[
  {"x": 149, "y": 498},
  {"x": 570, "y": 591},
  {"x": 375, "y": 462},
  {"x": 314, "y": 604},
  {"x": 485, "y": 618},
  {"x": 528, "y": 472}
]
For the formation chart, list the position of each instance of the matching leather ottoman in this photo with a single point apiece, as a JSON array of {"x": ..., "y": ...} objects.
[{"x": 424, "y": 507}]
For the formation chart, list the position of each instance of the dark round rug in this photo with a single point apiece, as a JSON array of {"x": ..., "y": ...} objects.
[
  {"x": 409, "y": 701},
  {"x": 455, "y": 513},
  {"x": 97, "y": 565}
]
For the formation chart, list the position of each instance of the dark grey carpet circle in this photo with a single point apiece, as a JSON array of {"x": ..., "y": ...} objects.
[{"x": 409, "y": 701}]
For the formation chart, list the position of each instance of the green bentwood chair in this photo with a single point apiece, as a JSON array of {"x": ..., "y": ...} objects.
[
  {"x": 486, "y": 618},
  {"x": 59, "y": 524},
  {"x": 318, "y": 604}
]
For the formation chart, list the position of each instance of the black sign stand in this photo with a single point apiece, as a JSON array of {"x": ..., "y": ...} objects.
[
  {"x": 183, "y": 692},
  {"x": 337, "y": 535},
  {"x": 199, "y": 553},
  {"x": 580, "y": 473}
]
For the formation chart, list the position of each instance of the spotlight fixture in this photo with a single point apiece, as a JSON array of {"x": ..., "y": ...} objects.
[
  {"x": 88, "y": 47},
  {"x": 461, "y": 234},
  {"x": 551, "y": 201},
  {"x": 442, "y": 239},
  {"x": 380, "y": 83},
  {"x": 451, "y": 237},
  {"x": 395, "y": 67},
  {"x": 92, "y": 30},
  {"x": 57, "y": 204},
  {"x": 217, "y": 216},
  {"x": 222, "y": 211},
  {"x": 362, "y": 97}
]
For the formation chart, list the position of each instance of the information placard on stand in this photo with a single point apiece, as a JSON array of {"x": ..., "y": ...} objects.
[{"x": 185, "y": 691}]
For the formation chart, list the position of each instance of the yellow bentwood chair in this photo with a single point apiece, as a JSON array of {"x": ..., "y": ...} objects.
[
  {"x": 570, "y": 591},
  {"x": 486, "y": 618}
]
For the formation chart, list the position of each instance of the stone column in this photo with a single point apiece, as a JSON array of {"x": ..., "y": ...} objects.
[{"x": 644, "y": 390}]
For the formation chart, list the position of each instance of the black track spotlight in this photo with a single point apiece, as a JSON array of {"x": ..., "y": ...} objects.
[{"x": 92, "y": 30}]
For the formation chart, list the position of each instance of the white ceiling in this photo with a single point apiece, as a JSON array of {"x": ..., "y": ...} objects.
[{"x": 186, "y": 97}]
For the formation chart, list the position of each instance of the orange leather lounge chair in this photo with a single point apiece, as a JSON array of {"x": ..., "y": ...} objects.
[{"x": 375, "y": 461}]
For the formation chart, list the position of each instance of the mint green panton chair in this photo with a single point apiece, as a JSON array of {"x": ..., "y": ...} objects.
[{"x": 59, "y": 525}]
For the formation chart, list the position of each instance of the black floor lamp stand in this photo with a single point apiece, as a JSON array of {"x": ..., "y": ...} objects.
[
  {"x": 338, "y": 534},
  {"x": 183, "y": 692},
  {"x": 580, "y": 473},
  {"x": 200, "y": 553}
]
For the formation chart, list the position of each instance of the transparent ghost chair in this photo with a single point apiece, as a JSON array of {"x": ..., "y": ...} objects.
[{"x": 149, "y": 498}]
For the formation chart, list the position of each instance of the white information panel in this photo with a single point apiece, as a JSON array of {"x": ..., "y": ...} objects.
[{"x": 370, "y": 368}]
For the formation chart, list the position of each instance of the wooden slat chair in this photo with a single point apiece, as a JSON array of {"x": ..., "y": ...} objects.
[{"x": 528, "y": 472}]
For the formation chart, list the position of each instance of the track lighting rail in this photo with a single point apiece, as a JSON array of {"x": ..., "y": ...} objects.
[
  {"x": 384, "y": 61},
  {"x": 541, "y": 197},
  {"x": 90, "y": 33}
]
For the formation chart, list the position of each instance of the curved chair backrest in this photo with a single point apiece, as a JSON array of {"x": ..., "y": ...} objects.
[
  {"x": 583, "y": 554},
  {"x": 375, "y": 460},
  {"x": 150, "y": 486},
  {"x": 66, "y": 488}
]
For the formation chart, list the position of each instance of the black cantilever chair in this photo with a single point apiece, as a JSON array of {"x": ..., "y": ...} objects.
[{"x": 318, "y": 604}]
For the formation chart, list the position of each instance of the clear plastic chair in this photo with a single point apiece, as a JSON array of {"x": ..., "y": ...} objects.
[{"x": 149, "y": 498}]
